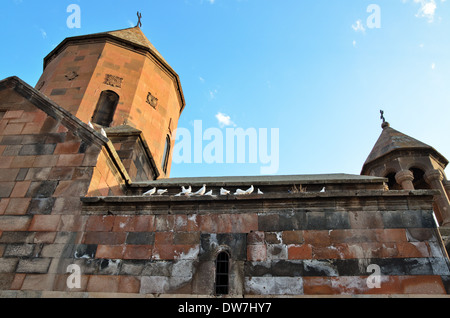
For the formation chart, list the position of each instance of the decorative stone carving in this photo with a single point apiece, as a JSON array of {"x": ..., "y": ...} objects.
[
  {"x": 405, "y": 179},
  {"x": 152, "y": 100},
  {"x": 71, "y": 76},
  {"x": 433, "y": 175},
  {"x": 113, "y": 81}
]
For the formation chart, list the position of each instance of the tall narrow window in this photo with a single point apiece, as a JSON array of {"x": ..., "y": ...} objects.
[
  {"x": 222, "y": 273},
  {"x": 165, "y": 161},
  {"x": 106, "y": 107}
]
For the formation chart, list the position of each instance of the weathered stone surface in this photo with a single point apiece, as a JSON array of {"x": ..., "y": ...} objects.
[
  {"x": 274, "y": 285},
  {"x": 70, "y": 196},
  {"x": 33, "y": 266}
]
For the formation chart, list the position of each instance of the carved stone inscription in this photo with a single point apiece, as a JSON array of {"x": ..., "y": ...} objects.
[
  {"x": 113, "y": 81},
  {"x": 152, "y": 100}
]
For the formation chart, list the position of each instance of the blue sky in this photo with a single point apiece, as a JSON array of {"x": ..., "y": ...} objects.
[{"x": 316, "y": 70}]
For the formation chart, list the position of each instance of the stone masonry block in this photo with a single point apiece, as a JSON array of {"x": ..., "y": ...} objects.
[
  {"x": 255, "y": 238},
  {"x": 110, "y": 252},
  {"x": 268, "y": 222},
  {"x": 17, "y": 237},
  {"x": 45, "y": 223},
  {"x": 19, "y": 250},
  {"x": 256, "y": 253},
  {"x": 37, "y": 149},
  {"x": 41, "y": 206},
  {"x": 33, "y": 266},
  {"x": 138, "y": 252},
  {"x": 99, "y": 283},
  {"x": 104, "y": 238},
  {"x": 140, "y": 238},
  {"x": 42, "y": 189},
  {"x": 17, "y": 206},
  {"x": 274, "y": 285},
  {"x": 7, "y": 265},
  {"x": 100, "y": 223},
  {"x": 14, "y": 223},
  {"x": 154, "y": 285}
]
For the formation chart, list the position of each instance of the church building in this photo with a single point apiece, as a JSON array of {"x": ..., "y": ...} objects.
[{"x": 83, "y": 151}]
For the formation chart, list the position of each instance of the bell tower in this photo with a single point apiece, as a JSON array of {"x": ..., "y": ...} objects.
[
  {"x": 118, "y": 81},
  {"x": 410, "y": 164}
]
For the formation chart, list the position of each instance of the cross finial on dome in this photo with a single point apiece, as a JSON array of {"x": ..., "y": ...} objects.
[
  {"x": 385, "y": 123},
  {"x": 139, "y": 24}
]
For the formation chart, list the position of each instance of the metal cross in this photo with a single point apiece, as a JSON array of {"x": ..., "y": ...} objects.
[
  {"x": 139, "y": 24},
  {"x": 382, "y": 116}
]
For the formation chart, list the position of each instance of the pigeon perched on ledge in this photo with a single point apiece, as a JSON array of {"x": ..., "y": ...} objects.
[
  {"x": 150, "y": 192},
  {"x": 246, "y": 192},
  {"x": 201, "y": 191},
  {"x": 186, "y": 191},
  {"x": 161, "y": 192},
  {"x": 224, "y": 192}
]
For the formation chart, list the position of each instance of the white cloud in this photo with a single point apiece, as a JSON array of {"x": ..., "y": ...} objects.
[
  {"x": 427, "y": 8},
  {"x": 212, "y": 93},
  {"x": 224, "y": 120},
  {"x": 433, "y": 66},
  {"x": 43, "y": 33},
  {"x": 201, "y": 79},
  {"x": 358, "y": 26}
]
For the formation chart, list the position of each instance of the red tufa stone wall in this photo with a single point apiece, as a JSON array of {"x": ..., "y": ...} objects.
[
  {"x": 44, "y": 171},
  {"x": 140, "y": 75},
  {"x": 272, "y": 252},
  {"x": 106, "y": 180},
  {"x": 320, "y": 245}
]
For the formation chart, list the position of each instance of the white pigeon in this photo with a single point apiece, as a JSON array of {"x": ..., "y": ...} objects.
[
  {"x": 246, "y": 192},
  {"x": 103, "y": 132},
  {"x": 323, "y": 190},
  {"x": 185, "y": 191},
  {"x": 250, "y": 190},
  {"x": 260, "y": 192},
  {"x": 150, "y": 192},
  {"x": 161, "y": 192},
  {"x": 90, "y": 125},
  {"x": 224, "y": 192},
  {"x": 201, "y": 191},
  {"x": 210, "y": 193}
]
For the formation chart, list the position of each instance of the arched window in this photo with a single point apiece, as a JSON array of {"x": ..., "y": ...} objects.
[
  {"x": 165, "y": 161},
  {"x": 419, "y": 181},
  {"x": 222, "y": 273},
  {"x": 106, "y": 107},
  {"x": 392, "y": 184}
]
